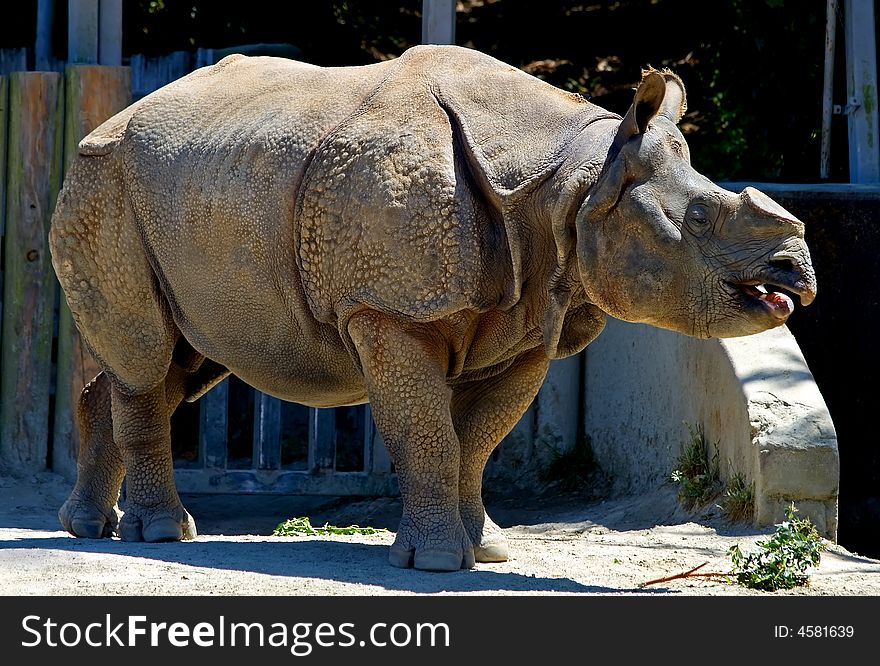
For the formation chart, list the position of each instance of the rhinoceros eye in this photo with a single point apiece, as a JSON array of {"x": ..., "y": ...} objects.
[{"x": 698, "y": 213}]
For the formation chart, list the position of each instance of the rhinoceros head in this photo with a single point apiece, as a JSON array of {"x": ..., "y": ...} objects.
[{"x": 661, "y": 244}]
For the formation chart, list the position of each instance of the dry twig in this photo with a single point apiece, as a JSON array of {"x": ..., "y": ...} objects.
[{"x": 692, "y": 573}]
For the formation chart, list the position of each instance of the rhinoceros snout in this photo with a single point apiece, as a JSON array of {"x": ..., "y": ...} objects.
[{"x": 799, "y": 270}]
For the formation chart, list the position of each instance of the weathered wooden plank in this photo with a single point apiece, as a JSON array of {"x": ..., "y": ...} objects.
[
  {"x": 267, "y": 431},
  {"x": 13, "y": 60},
  {"x": 149, "y": 74},
  {"x": 214, "y": 427},
  {"x": 93, "y": 94},
  {"x": 322, "y": 440},
  {"x": 36, "y": 105},
  {"x": 4, "y": 109},
  {"x": 4, "y": 86}
]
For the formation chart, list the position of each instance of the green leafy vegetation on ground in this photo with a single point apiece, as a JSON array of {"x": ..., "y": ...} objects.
[
  {"x": 738, "y": 501},
  {"x": 781, "y": 562},
  {"x": 699, "y": 479},
  {"x": 303, "y": 527},
  {"x": 698, "y": 476}
]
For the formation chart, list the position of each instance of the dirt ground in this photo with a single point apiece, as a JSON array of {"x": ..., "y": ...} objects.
[{"x": 559, "y": 546}]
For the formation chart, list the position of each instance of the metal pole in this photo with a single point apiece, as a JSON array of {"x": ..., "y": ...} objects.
[
  {"x": 861, "y": 91},
  {"x": 43, "y": 47},
  {"x": 82, "y": 31},
  {"x": 110, "y": 32},
  {"x": 828, "y": 93},
  {"x": 438, "y": 21}
]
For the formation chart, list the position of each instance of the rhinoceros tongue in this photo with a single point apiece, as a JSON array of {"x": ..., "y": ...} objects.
[{"x": 781, "y": 306}]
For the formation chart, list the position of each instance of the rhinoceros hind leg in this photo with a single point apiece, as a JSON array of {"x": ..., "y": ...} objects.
[
  {"x": 91, "y": 510},
  {"x": 142, "y": 429}
]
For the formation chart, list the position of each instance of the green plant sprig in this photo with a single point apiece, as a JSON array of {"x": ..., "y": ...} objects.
[
  {"x": 781, "y": 562},
  {"x": 303, "y": 527}
]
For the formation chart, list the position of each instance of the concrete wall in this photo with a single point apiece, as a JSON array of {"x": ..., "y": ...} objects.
[
  {"x": 754, "y": 396},
  {"x": 838, "y": 336}
]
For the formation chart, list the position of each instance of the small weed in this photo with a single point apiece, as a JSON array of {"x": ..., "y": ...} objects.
[
  {"x": 572, "y": 469},
  {"x": 781, "y": 562},
  {"x": 699, "y": 478},
  {"x": 302, "y": 527},
  {"x": 738, "y": 502}
]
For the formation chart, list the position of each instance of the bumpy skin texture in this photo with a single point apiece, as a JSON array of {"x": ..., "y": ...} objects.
[{"x": 425, "y": 233}]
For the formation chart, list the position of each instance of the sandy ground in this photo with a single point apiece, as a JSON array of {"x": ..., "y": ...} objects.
[{"x": 558, "y": 546}]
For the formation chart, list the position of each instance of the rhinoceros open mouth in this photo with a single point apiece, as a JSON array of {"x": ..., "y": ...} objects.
[{"x": 772, "y": 297}]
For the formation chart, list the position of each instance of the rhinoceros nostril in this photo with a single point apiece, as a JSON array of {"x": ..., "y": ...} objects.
[{"x": 783, "y": 263}]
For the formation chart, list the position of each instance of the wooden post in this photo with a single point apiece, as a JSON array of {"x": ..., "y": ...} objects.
[
  {"x": 34, "y": 177},
  {"x": 861, "y": 91},
  {"x": 82, "y": 31},
  {"x": 94, "y": 93},
  {"x": 438, "y": 22},
  {"x": 828, "y": 88},
  {"x": 13, "y": 60}
]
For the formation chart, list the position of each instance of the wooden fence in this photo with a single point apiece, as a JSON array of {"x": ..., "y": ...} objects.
[
  {"x": 43, "y": 364},
  {"x": 234, "y": 439}
]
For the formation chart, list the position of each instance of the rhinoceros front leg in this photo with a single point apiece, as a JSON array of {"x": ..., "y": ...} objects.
[
  {"x": 405, "y": 371},
  {"x": 484, "y": 412}
]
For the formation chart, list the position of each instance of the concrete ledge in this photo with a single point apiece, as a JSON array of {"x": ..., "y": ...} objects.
[{"x": 754, "y": 396}]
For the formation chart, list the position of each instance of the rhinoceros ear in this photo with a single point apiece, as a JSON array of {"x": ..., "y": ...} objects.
[
  {"x": 646, "y": 104},
  {"x": 659, "y": 92},
  {"x": 675, "y": 100}
]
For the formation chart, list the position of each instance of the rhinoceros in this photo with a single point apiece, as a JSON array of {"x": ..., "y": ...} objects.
[{"x": 424, "y": 234}]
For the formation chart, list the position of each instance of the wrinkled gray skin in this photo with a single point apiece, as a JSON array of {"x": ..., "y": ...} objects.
[{"x": 424, "y": 234}]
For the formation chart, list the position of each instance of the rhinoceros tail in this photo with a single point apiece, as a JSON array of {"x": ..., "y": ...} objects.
[{"x": 104, "y": 138}]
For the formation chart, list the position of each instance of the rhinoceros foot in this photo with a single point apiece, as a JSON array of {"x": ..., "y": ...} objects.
[
  {"x": 87, "y": 519},
  {"x": 440, "y": 550},
  {"x": 156, "y": 524}
]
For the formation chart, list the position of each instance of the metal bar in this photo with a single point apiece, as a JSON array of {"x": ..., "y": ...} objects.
[
  {"x": 380, "y": 459},
  {"x": 43, "y": 45},
  {"x": 322, "y": 440},
  {"x": 828, "y": 89},
  {"x": 285, "y": 482},
  {"x": 438, "y": 22},
  {"x": 110, "y": 32},
  {"x": 82, "y": 31},
  {"x": 214, "y": 427},
  {"x": 861, "y": 84},
  {"x": 267, "y": 431}
]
